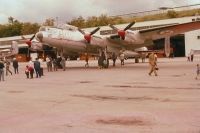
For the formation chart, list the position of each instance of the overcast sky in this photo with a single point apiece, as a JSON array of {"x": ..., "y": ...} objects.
[{"x": 66, "y": 10}]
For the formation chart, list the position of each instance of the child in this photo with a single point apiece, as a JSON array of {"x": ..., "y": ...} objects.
[
  {"x": 27, "y": 72},
  {"x": 198, "y": 71},
  {"x": 31, "y": 70}
]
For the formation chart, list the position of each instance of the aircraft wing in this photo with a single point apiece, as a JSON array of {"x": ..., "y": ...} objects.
[{"x": 161, "y": 32}]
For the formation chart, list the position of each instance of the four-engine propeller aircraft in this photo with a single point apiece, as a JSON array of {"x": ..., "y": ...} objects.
[{"x": 72, "y": 40}]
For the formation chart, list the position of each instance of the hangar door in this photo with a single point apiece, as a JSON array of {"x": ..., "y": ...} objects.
[{"x": 177, "y": 43}]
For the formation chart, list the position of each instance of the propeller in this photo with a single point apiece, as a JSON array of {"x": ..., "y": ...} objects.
[
  {"x": 28, "y": 42},
  {"x": 122, "y": 33},
  {"x": 88, "y": 37}
]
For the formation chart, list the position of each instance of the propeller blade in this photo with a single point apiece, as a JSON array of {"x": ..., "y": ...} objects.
[
  {"x": 94, "y": 31},
  {"x": 81, "y": 31},
  {"x": 32, "y": 37},
  {"x": 113, "y": 27},
  {"x": 129, "y": 26},
  {"x": 23, "y": 37}
]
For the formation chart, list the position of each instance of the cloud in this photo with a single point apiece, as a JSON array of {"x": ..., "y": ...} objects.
[{"x": 65, "y": 10}]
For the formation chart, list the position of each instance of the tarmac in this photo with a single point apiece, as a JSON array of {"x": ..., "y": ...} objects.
[{"x": 114, "y": 100}]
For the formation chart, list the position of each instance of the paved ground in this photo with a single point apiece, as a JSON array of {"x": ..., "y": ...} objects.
[{"x": 115, "y": 100}]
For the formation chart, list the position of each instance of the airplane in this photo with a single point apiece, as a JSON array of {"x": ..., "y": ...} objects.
[{"x": 72, "y": 40}]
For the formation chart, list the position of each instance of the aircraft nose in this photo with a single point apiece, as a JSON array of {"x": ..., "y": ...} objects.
[{"x": 39, "y": 36}]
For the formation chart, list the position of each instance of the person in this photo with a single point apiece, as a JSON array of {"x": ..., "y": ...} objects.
[
  {"x": 8, "y": 67},
  {"x": 1, "y": 70},
  {"x": 27, "y": 71},
  {"x": 153, "y": 63},
  {"x": 63, "y": 63},
  {"x": 188, "y": 58},
  {"x": 100, "y": 62},
  {"x": 37, "y": 68},
  {"x": 114, "y": 58},
  {"x": 15, "y": 65},
  {"x": 143, "y": 56},
  {"x": 48, "y": 63},
  {"x": 122, "y": 56},
  {"x": 198, "y": 71},
  {"x": 41, "y": 68},
  {"x": 55, "y": 66},
  {"x": 58, "y": 60},
  {"x": 86, "y": 60},
  {"x": 192, "y": 57},
  {"x": 30, "y": 63},
  {"x": 31, "y": 71}
]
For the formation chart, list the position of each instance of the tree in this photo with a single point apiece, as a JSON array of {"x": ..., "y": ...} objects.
[
  {"x": 92, "y": 22},
  {"x": 28, "y": 28},
  {"x": 49, "y": 22},
  {"x": 172, "y": 14},
  {"x": 78, "y": 22},
  {"x": 10, "y": 20},
  {"x": 103, "y": 20}
]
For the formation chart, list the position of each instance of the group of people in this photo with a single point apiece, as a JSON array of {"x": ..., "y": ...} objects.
[
  {"x": 35, "y": 66},
  {"x": 103, "y": 61},
  {"x": 54, "y": 63},
  {"x": 5, "y": 63}
]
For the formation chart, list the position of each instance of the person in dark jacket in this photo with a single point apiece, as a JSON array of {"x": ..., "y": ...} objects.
[
  {"x": 15, "y": 65},
  {"x": 1, "y": 70},
  {"x": 37, "y": 68}
]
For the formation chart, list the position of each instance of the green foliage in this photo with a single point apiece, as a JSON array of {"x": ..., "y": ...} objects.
[
  {"x": 91, "y": 22},
  {"x": 29, "y": 28},
  {"x": 13, "y": 29},
  {"x": 94, "y": 21},
  {"x": 103, "y": 20},
  {"x": 49, "y": 22},
  {"x": 79, "y": 22},
  {"x": 16, "y": 28},
  {"x": 172, "y": 14}
]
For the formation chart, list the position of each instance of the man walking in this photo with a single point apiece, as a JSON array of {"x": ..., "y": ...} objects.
[{"x": 153, "y": 63}]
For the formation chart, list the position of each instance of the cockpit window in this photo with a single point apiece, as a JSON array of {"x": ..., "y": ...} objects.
[{"x": 42, "y": 29}]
